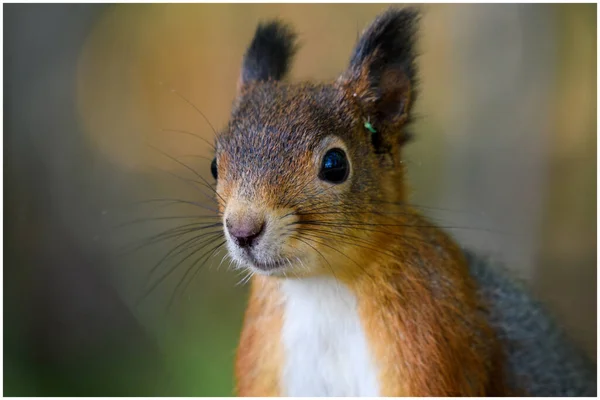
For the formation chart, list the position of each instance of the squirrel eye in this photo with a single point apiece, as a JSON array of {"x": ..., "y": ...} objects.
[
  {"x": 334, "y": 168},
  {"x": 213, "y": 167}
]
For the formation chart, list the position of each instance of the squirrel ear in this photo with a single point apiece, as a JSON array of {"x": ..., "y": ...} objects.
[
  {"x": 382, "y": 71},
  {"x": 269, "y": 53}
]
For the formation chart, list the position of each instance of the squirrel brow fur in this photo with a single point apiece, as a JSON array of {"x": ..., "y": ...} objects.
[{"x": 270, "y": 53}]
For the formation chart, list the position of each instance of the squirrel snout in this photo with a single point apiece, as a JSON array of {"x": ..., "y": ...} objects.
[{"x": 244, "y": 231}]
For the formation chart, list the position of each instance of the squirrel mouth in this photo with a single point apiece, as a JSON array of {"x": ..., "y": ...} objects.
[{"x": 265, "y": 266}]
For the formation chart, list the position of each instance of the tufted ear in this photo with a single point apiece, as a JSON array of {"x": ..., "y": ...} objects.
[
  {"x": 381, "y": 76},
  {"x": 269, "y": 54}
]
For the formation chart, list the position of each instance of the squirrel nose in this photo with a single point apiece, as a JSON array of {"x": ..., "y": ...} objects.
[{"x": 245, "y": 231}]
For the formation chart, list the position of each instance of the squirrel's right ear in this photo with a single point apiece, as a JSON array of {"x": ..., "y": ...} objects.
[
  {"x": 381, "y": 77},
  {"x": 269, "y": 54}
]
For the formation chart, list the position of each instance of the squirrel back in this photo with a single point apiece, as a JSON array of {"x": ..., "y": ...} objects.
[
  {"x": 539, "y": 355},
  {"x": 354, "y": 292}
]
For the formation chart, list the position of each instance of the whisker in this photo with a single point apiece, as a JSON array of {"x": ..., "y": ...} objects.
[
  {"x": 333, "y": 248},
  {"x": 191, "y": 182},
  {"x": 191, "y": 227},
  {"x": 406, "y": 225},
  {"x": 307, "y": 198},
  {"x": 407, "y": 204},
  {"x": 152, "y": 219},
  {"x": 189, "y": 242},
  {"x": 222, "y": 259},
  {"x": 196, "y": 156},
  {"x": 246, "y": 278},
  {"x": 171, "y": 200},
  {"x": 318, "y": 252},
  {"x": 352, "y": 241},
  {"x": 293, "y": 195},
  {"x": 172, "y": 269},
  {"x": 193, "y": 106},
  {"x": 199, "y": 260},
  {"x": 191, "y": 134}
]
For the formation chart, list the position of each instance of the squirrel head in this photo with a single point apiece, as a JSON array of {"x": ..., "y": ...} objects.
[{"x": 298, "y": 164}]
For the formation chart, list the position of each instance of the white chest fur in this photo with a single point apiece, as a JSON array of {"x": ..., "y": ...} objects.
[{"x": 326, "y": 351}]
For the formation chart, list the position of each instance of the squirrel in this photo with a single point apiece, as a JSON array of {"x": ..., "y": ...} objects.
[{"x": 354, "y": 292}]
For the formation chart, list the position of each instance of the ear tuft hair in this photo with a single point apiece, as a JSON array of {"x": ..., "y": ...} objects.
[
  {"x": 389, "y": 40},
  {"x": 270, "y": 53},
  {"x": 381, "y": 78}
]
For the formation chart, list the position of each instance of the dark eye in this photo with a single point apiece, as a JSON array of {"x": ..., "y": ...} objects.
[
  {"x": 213, "y": 168},
  {"x": 334, "y": 168}
]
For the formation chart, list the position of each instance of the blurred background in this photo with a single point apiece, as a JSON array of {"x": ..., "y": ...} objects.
[{"x": 505, "y": 152}]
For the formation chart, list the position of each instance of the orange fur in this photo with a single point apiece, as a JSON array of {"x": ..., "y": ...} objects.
[
  {"x": 259, "y": 356},
  {"x": 424, "y": 333}
]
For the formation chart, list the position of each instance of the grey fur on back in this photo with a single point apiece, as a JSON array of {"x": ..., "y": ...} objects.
[{"x": 540, "y": 357}]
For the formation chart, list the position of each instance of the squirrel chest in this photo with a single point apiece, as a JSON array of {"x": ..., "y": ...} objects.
[
  {"x": 316, "y": 336},
  {"x": 325, "y": 349}
]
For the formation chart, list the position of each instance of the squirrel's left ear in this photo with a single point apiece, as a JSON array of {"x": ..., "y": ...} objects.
[
  {"x": 381, "y": 77},
  {"x": 269, "y": 54}
]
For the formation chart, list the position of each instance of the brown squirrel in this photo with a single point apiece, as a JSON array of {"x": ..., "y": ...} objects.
[{"x": 355, "y": 293}]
